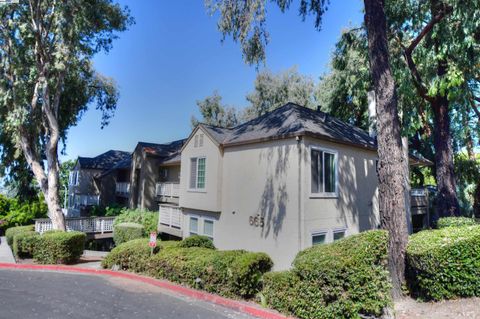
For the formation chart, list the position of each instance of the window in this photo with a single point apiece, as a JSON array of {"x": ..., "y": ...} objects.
[
  {"x": 324, "y": 172},
  {"x": 195, "y": 141},
  {"x": 200, "y": 140},
  {"x": 208, "y": 228},
  {"x": 193, "y": 226},
  {"x": 319, "y": 238},
  {"x": 338, "y": 234},
  {"x": 197, "y": 172}
]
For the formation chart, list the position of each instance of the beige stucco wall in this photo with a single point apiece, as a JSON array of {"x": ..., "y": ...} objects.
[
  {"x": 208, "y": 199},
  {"x": 355, "y": 208}
]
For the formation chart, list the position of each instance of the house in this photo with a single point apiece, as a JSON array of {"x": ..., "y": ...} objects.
[
  {"x": 114, "y": 184},
  {"x": 279, "y": 183},
  {"x": 155, "y": 175},
  {"x": 83, "y": 190}
]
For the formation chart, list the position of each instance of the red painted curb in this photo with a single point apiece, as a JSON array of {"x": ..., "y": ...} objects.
[{"x": 192, "y": 293}]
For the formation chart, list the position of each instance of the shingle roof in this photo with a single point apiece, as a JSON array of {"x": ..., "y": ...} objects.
[
  {"x": 103, "y": 161},
  {"x": 290, "y": 120},
  {"x": 170, "y": 152}
]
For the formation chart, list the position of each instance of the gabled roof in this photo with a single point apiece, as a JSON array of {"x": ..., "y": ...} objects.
[
  {"x": 123, "y": 164},
  {"x": 169, "y": 152},
  {"x": 288, "y": 121},
  {"x": 103, "y": 161}
]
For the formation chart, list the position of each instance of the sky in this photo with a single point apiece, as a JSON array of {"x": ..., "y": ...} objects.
[{"x": 173, "y": 56}]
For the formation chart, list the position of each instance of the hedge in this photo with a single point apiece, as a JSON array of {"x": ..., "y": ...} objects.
[
  {"x": 11, "y": 232},
  {"x": 197, "y": 241},
  {"x": 24, "y": 244},
  {"x": 132, "y": 255},
  {"x": 149, "y": 220},
  {"x": 124, "y": 232},
  {"x": 455, "y": 222},
  {"x": 444, "y": 263},
  {"x": 344, "y": 279},
  {"x": 59, "y": 247},
  {"x": 234, "y": 273}
]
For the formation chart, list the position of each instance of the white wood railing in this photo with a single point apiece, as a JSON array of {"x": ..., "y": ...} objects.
[
  {"x": 170, "y": 216},
  {"x": 167, "y": 189},
  {"x": 123, "y": 188},
  {"x": 83, "y": 224}
]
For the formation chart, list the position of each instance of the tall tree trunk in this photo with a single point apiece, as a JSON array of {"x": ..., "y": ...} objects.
[
  {"x": 391, "y": 171},
  {"x": 447, "y": 202}
]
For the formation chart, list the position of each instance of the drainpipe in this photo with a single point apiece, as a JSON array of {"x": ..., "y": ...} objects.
[{"x": 300, "y": 212}]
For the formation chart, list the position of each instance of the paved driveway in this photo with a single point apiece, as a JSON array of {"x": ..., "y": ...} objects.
[{"x": 39, "y": 294}]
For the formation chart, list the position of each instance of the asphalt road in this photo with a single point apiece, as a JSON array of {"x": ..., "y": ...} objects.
[{"x": 45, "y": 295}]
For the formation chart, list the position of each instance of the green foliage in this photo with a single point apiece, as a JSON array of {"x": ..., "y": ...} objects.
[
  {"x": 228, "y": 273},
  {"x": 149, "y": 220},
  {"x": 215, "y": 113},
  {"x": 11, "y": 232},
  {"x": 24, "y": 244},
  {"x": 132, "y": 255},
  {"x": 344, "y": 279},
  {"x": 124, "y": 232},
  {"x": 113, "y": 210},
  {"x": 455, "y": 222},
  {"x": 197, "y": 241},
  {"x": 59, "y": 247},
  {"x": 63, "y": 176},
  {"x": 444, "y": 263},
  {"x": 15, "y": 213}
]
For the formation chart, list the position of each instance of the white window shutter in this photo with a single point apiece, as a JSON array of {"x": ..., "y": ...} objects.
[{"x": 193, "y": 173}]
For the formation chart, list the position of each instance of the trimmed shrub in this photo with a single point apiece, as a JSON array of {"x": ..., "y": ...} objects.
[
  {"x": 344, "y": 279},
  {"x": 132, "y": 255},
  {"x": 59, "y": 247},
  {"x": 455, "y": 222},
  {"x": 227, "y": 273},
  {"x": 444, "y": 263},
  {"x": 11, "y": 232},
  {"x": 124, "y": 232},
  {"x": 149, "y": 220},
  {"x": 197, "y": 241},
  {"x": 24, "y": 244}
]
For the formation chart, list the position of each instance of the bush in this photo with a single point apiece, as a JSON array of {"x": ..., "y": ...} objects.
[
  {"x": 344, "y": 279},
  {"x": 149, "y": 220},
  {"x": 228, "y": 273},
  {"x": 197, "y": 241},
  {"x": 132, "y": 255},
  {"x": 15, "y": 213},
  {"x": 124, "y": 232},
  {"x": 455, "y": 222},
  {"x": 11, "y": 232},
  {"x": 59, "y": 247},
  {"x": 24, "y": 244},
  {"x": 444, "y": 263}
]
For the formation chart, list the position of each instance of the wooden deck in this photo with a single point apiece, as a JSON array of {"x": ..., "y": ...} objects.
[{"x": 94, "y": 227}]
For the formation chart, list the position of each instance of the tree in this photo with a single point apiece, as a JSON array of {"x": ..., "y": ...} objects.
[
  {"x": 63, "y": 176},
  {"x": 273, "y": 90},
  {"x": 47, "y": 79},
  {"x": 215, "y": 113},
  {"x": 244, "y": 21}
]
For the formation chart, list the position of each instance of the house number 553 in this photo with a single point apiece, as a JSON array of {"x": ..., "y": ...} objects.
[{"x": 256, "y": 221}]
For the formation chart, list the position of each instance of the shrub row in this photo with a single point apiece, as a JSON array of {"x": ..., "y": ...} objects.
[
  {"x": 444, "y": 263},
  {"x": 24, "y": 244},
  {"x": 228, "y": 273},
  {"x": 149, "y": 220},
  {"x": 455, "y": 222},
  {"x": 124, "y": 232},
  {"x": 197, "y": 241},
  {"x": 11, "y": 232},
  {"x": 344, "y": 279}
]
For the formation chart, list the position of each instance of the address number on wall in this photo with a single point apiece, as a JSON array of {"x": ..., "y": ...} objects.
[{"x": 256, "y": 221}]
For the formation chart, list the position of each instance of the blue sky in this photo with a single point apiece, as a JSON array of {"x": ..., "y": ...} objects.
[{"x": 173, "y": 57}]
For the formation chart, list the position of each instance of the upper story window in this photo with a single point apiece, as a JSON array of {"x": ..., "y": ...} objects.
[
  {"x": 323, "y": 172},
  {"x": 73, "y": 178},
  {"x": 198, "y": 140},
  {"x": 197, "y": 172}
]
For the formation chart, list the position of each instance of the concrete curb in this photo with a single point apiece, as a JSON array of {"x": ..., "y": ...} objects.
[{"x": 192, "y": 293}]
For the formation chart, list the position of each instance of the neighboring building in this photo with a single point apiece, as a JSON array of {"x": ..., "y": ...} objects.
[
  {"x": 279, "y": 183},
  {"x": 114, "y": 184},
  {"x": 155, "y": 175},
  {"x": 83, "y": 191}
]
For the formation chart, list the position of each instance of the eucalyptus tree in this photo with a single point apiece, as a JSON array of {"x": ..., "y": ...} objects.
[
  {"x": 214, "y": 112},
  {"x": 47, "y": 79},
  {"x": 245, "y": 22}
]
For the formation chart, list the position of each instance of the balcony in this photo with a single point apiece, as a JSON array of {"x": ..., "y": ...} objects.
[
  {"x": 167, "y": 189},
  {"x": 122, "y": 188},
  {"x": 170, "y": 220}
]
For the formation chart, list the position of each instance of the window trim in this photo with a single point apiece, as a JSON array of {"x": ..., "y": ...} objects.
[
  {"x": 335, "y": 154},
  {"x": 339, "y": 230},
  {"x": 198, "y": 225},
  {"x": 213, "y": 229},
  {"x": 196, "y": 189}
]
